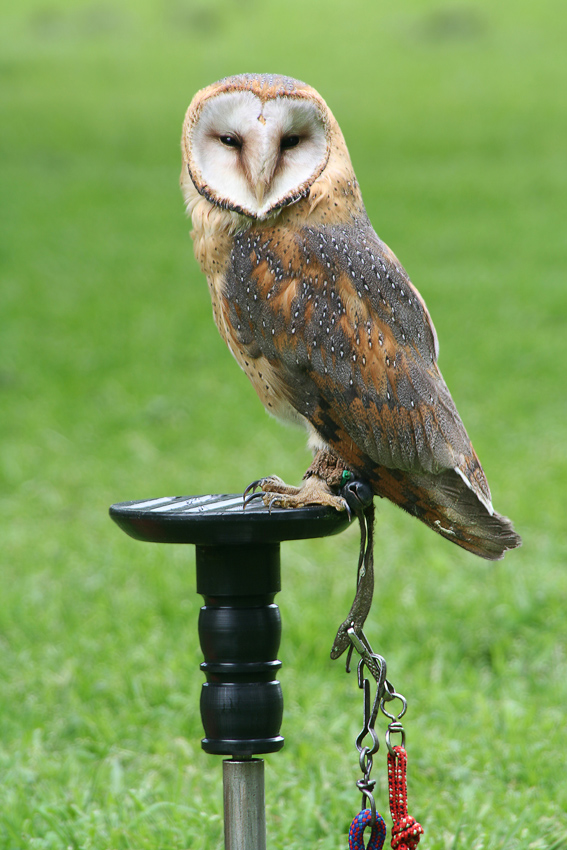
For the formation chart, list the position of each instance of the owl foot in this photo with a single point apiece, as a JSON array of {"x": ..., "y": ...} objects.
[{"x": 313, "y": 491}]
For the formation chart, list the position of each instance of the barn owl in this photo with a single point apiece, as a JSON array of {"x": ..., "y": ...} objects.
[{"x": 321, "y": 315}]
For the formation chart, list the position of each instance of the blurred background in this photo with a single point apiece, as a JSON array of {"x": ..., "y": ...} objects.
[{"x": 115, "y": 385}]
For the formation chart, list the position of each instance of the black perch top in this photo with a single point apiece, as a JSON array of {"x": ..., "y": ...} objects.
[{"x": 220, "y": 519}]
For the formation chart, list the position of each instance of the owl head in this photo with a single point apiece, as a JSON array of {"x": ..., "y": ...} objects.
[{"x": 257, "y": 143}]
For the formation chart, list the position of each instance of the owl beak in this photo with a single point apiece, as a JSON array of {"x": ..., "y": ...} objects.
[
  {"x": 264, "y": 178},
  {"x": 261, "y": 187},
  {"x": 260, "y": 163}
]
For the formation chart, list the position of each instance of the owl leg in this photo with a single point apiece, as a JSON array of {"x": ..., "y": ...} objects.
[{"x": 320, "y": 483}]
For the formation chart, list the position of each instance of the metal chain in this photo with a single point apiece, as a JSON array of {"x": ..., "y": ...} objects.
[{"x": 385, "y": 693}]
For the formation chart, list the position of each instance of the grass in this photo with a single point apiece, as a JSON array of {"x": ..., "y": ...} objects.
[{"x": 114, "y": 385}]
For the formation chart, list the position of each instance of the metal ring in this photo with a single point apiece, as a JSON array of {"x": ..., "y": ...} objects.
[
  {"x": 390, "y": 695},
  {"x": 365, "y": 762},
  {"x": 395, "y": 728}
]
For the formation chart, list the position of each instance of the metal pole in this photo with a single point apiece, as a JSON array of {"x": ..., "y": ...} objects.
[{"x": 244, "y": 808}]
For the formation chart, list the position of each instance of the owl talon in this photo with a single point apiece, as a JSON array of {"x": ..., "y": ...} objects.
[
  {"x": 271, "y": 502},
  {"x": 347, "y": 509},
  {"x": 250, "y": 498},
  {"x": 270, "y": 480},
  {"x": 252, "y": 486}
]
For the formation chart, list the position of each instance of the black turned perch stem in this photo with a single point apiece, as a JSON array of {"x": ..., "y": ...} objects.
[
  {"x": 238, "y": 575},
  {"x": 240, "y": 630}
]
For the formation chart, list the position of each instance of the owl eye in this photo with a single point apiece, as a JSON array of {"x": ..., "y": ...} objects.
[
  {"x": 289, "y": 142},
  {"x": 230, "y": 140}
]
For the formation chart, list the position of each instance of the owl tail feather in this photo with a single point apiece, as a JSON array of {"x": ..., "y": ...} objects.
[{"x": 447, "y": 505}]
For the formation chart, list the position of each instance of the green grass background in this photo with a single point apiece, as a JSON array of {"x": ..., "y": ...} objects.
[{"x": 114, "y": 385}]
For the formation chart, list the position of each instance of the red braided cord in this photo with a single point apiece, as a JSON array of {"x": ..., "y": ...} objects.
[{"x": 406, "y": 831}]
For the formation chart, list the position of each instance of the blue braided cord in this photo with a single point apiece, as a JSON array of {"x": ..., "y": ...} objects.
[{"x": 355, "y": 833}]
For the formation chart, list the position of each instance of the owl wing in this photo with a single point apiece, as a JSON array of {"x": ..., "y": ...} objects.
[{"x": 352, "y": 349}]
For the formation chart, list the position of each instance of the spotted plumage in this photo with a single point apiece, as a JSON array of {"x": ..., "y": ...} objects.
[{"x": 319, "y": 312}]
